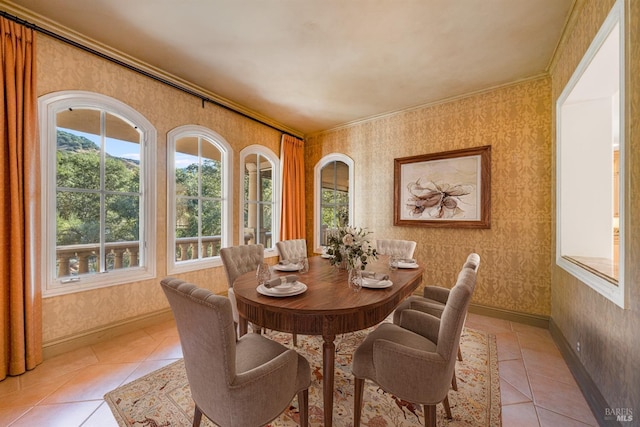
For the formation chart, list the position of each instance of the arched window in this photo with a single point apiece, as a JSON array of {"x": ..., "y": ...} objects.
[
  {"x": 260, "y": 196},
  {"x": 99, "y": 192},
  {"x": 333, "y": 195},
  {"x": 198, "y": 185}
]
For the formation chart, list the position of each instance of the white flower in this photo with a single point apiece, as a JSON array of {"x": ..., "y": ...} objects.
[{"x": 350, "y": 245}]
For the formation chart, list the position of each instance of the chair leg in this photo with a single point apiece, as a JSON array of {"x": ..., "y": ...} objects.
[
  {"x": 197, "y": 417},
  {"x": 256, "y": 329},
  {"x": 447, "y": 408},
  {"x": 459, "y": 354},
  {"x": 357, "y": 401},
  {"x": 454, "y": 382},
  {"x": 303, "y": 406},
  {"x": 295, "y": 339},
  {"x": 429, "y": 415}
]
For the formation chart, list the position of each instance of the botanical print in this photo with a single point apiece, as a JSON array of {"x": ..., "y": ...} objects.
[{"x": 442, "y": 189}]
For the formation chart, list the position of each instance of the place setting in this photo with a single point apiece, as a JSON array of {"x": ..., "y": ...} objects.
[
  {"x": 399, "y": 262},
  {"x": 373, "y": 280},
  {"x": 281, "y": 286},
  {"x": 301, "y": 265}
]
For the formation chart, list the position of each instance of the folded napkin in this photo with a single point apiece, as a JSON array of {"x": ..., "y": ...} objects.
[
  {"x": 372, "y": 283},
  {"x": 290, "y": 278},
  {"x": 374, "y": 275}
]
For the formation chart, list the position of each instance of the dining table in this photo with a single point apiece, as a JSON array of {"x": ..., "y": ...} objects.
[{"x": 327, "y": 307}]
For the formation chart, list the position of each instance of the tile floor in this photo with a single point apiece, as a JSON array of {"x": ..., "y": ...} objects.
[{"x": 536, "y": 386}]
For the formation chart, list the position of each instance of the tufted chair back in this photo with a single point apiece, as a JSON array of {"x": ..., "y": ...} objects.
[
  {"x": 245, "y": 382},
  {"x": 238, "y": 260},
  {"x": 292, "y": 249},
  {"x": 402, "y": 248}
]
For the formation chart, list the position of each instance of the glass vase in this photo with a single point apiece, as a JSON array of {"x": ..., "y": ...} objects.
[{"x": 355, "y": 279}]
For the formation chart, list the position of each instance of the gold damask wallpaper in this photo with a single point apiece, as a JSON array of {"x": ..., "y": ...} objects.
[
  {"x": 608, "y": 334},
  {"x": 516, "y": 251},
  {"x": 517, "y": 272},
  {"x": 62, "y": 67}
]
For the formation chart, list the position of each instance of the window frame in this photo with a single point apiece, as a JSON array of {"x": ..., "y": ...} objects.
[
  {"x": 317, "y": 193},
  {"x": 276, "y": 196},
  {"x": 48, "y": 106},
  {"x": 173, "y": 266},
  {"x": 616, "y": 293}
]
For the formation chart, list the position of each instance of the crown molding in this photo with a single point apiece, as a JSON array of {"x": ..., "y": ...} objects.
[{"x": 85, "y": 41}]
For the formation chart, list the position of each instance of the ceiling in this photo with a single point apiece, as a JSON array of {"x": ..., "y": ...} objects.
[{"x": 313, "y": 65}]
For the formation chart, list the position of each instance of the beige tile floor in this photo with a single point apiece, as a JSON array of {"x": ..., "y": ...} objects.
[{"x": 536, "y": 386}]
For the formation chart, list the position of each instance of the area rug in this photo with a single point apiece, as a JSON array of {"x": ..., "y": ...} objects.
[{"x": 163, "y": 398}]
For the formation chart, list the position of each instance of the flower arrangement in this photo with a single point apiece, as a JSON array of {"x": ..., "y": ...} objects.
[{"x": 350, "y": 246}]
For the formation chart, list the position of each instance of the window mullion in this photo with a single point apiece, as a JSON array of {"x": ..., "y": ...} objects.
[
  {"x": 102, "y": 256},
  {"x": 258, "y": 200},
  {"x": 200, "y": 199}
]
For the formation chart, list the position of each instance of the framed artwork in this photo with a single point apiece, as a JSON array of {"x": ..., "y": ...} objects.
[{"x": 447, "y": 189}]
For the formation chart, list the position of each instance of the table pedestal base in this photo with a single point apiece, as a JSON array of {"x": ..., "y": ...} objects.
[{"x": 328, "y": 366}]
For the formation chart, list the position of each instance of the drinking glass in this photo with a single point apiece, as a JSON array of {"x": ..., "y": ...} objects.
[
  {"x": 303, "y": 265},
  {"x": 393, "y": 261},
  {"x": 263, "y": 273}
]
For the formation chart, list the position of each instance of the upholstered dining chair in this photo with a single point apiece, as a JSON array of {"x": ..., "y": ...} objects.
[
  {"x": 238, "y": 260},
  {"x": 434, "y": 298},
  {"x": 433, "y": 302},
  {"x": 402, "y": 248},
  {"x": 292, "y": 249},
  {"x": 234, "y": 382},
  {"x": 415, "y": 360}
]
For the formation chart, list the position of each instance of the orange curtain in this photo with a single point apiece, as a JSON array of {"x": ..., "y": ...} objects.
[
  {"x": 292, "y": 221},
  {"x": 20, "y": 297}
]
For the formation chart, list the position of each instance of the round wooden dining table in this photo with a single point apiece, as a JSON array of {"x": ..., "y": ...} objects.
[{"x": 328, "y": 307}]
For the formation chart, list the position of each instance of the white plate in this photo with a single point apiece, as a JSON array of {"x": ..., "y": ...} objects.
[
  {"x": 290, "y": 291},
  {"x": 375, "y": 284},
  {"x": 287, "y": 267},
  {"x": 326, "y": 256},
  {"x": 408, "y": 265}
]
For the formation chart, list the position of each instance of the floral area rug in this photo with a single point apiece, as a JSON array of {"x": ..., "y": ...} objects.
[{"x": 163, "y": 398}]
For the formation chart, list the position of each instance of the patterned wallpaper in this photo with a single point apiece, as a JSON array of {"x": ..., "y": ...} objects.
[
  {"x": 514, "y": 120},
  {"x": 608, "y": 334},
  {"x": 62, "y": 67},
  {"x": 516, "y": 251}
]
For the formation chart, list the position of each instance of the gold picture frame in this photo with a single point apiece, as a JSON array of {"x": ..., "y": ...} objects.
[{"x": 446, "y": 189}]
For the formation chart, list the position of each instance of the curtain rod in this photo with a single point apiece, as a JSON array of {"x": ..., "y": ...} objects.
[{"x": 136, "y": 69}]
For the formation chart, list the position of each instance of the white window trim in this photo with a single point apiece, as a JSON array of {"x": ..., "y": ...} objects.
[
  {"x": 617, "y": 294},
  {"x": 317, "y": 193},
  {"x": 277, "y": 194},
  {"x": 48, "y": 106},
  {"x": 227, "y": 190}
]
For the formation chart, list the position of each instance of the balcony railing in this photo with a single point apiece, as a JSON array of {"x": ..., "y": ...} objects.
[
  {"x": 187, "y": 247},
  {"x": 73, "y": 260}
]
